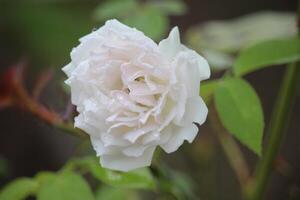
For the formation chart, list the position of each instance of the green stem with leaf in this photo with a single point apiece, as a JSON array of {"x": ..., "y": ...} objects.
[{"x": 278, "y": 123}]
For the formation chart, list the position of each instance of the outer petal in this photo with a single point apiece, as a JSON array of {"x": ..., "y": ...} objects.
[
  {"x": 187, "y": 73},
  {"x": 98, "y": 145},
  {"x": 125, "y": 163},
  {"x": 135, "y": 150},
  {"x": 178, "y": 135},
  {"x": 201, "y": 63},
  {"x": 171, "y": 45},
  {"x": 195, "y": 111},
  {"x": 115, "y": 29},
  {"x": 112, "y": 32},
  {"x": 190, "y": 69},
  {"x": 68, "y": 69},
  {"x": 83, "y": 51}
]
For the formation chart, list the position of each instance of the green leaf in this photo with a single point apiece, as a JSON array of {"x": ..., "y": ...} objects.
[
  {"x": 65, "y": 186},
  {"x": 240, "y": 112},
  {"x": 115, "y": 9},
  {"x": 207, "y": 89},
  {"x": 267, "y": 53},
  {"x": 140, "y": 178},
  {"x": 45, "y": 177},
  {"x": 149, "y": 20},
  {"x": 111, "y": 193},
  {"x": 170, "y": 7},
  {"x": 182, "y": 185},
  {"x": 174, "y": 183},
  {"x": 19, "y": 189}
]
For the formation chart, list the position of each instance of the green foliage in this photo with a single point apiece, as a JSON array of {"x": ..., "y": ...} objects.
[
  {"x": 65, "y": 186},
  {"x": 112, "y": 193},
  {"x": 240, "y": 112},
  {"x": 19, "y": 189},
  {"x": 115, "y": 8},
  {"x": 266, "y": 54},
  {"x": 68, "y": 185},
  {"x": 150, "y": 17},
  {"x": 45, "y": 177},
  {"x": 138, "y": 179},
  {"x": 182, "y": 186},
  {"x": 174, "y": 183},
  {"x": 171, "y": 7},
  {"x": 207, "y": 89},
  {"x": 150, "y": 20},
  {"x": 220, "y": 40}
]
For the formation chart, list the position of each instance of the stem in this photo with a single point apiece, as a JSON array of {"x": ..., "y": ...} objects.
[
  {"x": 48, "y": 116},
  {"x": 278, "y": 123},
  {"x": 231, "y": 149},
  {"x": 235, "y": 157}
]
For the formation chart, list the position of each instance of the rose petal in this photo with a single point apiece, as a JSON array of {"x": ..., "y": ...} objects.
[
  {"x": 195, "y": 111},
  {"x": 178, "y": 135},
  {"x": 201, "y": 63},
  {"x": 68, "y": 69},
  {"x": 125, "y": 163},
  {"x": 147, "y": 100},
  {"x": 133, "y": 135},
  {"x": 133, "y": 95},
  {"x": 141, "y": 89},
  {"x": 135, "y": 150},
  {"x": 171, "y": 45}
]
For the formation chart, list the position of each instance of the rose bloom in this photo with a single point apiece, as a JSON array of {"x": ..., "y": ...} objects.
[{"x": 133, "y": 95}]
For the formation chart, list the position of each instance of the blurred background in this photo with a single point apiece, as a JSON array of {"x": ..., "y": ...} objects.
[{"x": 41, "y": 34}]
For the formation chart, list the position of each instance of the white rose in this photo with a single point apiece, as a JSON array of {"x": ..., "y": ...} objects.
[{"x": 133, "y": 95}]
